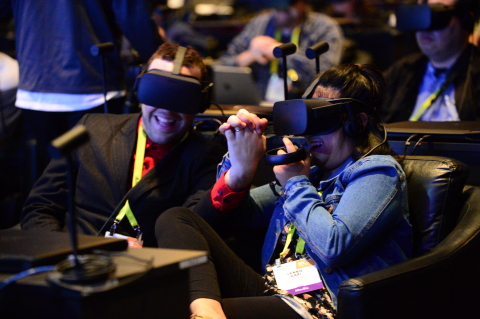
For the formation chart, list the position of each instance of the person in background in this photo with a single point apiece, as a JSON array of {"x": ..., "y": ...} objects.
[
  {"x": 12, "y": 165},
  {"x": 291, "y": 21},
  {"x": 347, "y": 214},
  {"x": 176, "y": 27},
  {"x": 178, "y": 163},
  {"x": 60, "y": 79},
  {"x": 440, "y": 83}
]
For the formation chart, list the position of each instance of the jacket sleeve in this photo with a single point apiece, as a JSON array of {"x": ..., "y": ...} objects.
[
  {"x": 241, "y": 42},
  {"x": 253, "y": 212},
  {"x": 203, "y": 173},
  {"x": 359, "y": 217},
  {"x": 46, "y": 206}
]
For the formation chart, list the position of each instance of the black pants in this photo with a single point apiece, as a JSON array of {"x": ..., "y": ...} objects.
[{"x": 225, "y": 277}]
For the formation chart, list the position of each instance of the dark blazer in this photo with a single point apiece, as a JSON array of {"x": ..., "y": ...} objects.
[
  {"x": 102, "y": 174},
  {"x": 405, "y": 76}
]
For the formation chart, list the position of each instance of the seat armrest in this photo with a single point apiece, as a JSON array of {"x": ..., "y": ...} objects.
[{"x": 444, "y": 283}]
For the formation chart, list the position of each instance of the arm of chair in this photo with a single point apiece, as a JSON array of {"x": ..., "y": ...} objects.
[{"x": 441, "y": 284}]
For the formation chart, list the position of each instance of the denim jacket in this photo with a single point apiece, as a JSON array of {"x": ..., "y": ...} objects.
[{"x": 358, "y": 224}]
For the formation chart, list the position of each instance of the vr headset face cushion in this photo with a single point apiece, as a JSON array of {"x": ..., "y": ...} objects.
[{"x": 173, "y": 92}]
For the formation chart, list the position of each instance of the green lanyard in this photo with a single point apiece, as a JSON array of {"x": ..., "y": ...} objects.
[
  {"x": 137, "y": 175},
  {"x": 300, "y": 248},
  {"x": 294, "y": 38},
  {"x": 429, "y": 101}
]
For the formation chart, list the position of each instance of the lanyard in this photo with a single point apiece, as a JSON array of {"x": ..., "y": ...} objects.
[
  {"x": 300, "y": 248},
  {"x": 429, "y": 101},
  {"x": 294, "y": 38},
  {"x": 137, "y": 175}
]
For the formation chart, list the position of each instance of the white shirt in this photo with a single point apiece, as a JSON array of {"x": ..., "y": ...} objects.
[{"x": 61, "y": 102}]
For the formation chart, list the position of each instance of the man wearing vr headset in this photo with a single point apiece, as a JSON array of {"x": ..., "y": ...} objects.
[
  {"x": 347, "y": 214},
  {"x": 440, "y": 83},
  {"x": 177, "y": 162},
  {"x": 287, "y": 21}
]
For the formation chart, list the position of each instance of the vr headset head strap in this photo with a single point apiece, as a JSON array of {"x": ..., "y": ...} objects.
[{"x": 178, "y": 61}]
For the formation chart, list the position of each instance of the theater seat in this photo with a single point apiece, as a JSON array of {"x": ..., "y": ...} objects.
[
  {"x": 435, "y": 186},
  {"x": 442, "y": 280}
]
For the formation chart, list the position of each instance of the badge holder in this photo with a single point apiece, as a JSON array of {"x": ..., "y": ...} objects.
[
  {"x": 300, "y": 275},
  {"x": 133, "y": 242}
]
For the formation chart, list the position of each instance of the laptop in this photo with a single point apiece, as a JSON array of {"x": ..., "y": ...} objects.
[
  {"x": 24, "y": 249},
  {"x": 458, "y": 130},
  {"x": 234, "y": 85}
]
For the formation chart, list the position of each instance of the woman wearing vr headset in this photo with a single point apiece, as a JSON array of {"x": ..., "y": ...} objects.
[{"x": 345, "y": 216}]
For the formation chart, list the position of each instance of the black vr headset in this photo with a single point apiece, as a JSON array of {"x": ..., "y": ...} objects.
[
  {"x": 315, "y": 116},
  {"x": 173, "y": 91},
  {"x": 423, "y": 17},
  {"x": 309, "y": 116}
]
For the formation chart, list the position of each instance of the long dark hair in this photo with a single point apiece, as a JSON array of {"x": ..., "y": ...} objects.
[{"x": 366, "y": 83}]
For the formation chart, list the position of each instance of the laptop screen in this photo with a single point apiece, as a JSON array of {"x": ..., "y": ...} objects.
[{"x": 234, "y": 85}]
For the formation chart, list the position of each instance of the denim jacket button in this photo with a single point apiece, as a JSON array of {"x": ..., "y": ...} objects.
[{"x": 328, "y": 270}]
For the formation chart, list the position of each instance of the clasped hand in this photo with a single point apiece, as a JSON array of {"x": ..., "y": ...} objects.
[{"x": 246, "y": 147}]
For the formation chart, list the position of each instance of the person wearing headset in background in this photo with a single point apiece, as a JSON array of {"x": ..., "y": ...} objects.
[
  {"x": 348, "y": 213},
  {"x": 440, "y": 83},
  {"x": 289, "y": 21},
  {"x": 177, "y": 163}
]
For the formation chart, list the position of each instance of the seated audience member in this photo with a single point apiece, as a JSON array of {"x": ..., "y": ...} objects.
[
  {"x": 348, "y": 213},
  {"x": 175, "y": 26},
  {"x": 294, "y": 23},
  {"x": 440, "y": 83},
  {"x": 178, "y": 162}
]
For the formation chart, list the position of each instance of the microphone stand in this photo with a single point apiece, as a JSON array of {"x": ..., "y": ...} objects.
[
  {"x": 87, "y": 268},
  {"x": 102, "y": 49},
  {"x": 281, "y": 52},
  {"x": 62, "y": 147}
]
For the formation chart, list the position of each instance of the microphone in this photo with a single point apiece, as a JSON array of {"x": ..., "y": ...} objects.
[
  {"x": 66, "y": 143},
  {"x": 101, "y": 48},
  {"x": 315, "y": 51},
  {"x": 285, "y": 49}
]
